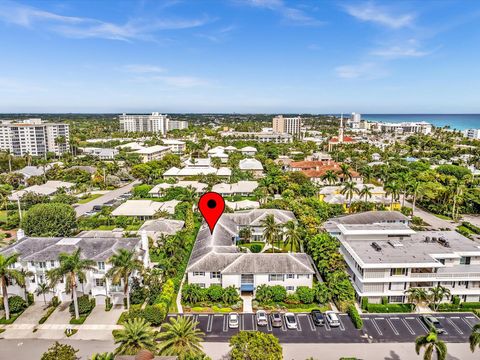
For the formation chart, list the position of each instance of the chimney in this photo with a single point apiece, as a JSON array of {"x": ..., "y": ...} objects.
[{"x": 20, "y": 234}]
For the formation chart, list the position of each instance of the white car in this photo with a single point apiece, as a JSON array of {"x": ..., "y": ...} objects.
[
  {"x": 290, "y": 321},
  {"x": 332, "y": 318},
  {"x": 233, "y": 320},
  {"x": 262, "y": 319}
]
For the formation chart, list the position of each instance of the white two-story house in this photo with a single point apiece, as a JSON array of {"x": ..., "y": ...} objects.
[
  {"x": 40, "y": 254},
  {"x": 216, "y": 259},
  {"x": 385, "y": 257}
]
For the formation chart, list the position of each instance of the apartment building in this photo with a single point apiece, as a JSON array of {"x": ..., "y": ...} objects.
[
  {"x": 154, "y": 122},
  {"x": 263, "y": 137},
  {"x": 178, "y": 147},
  {"x": 472, "y": 133},
  {"x": 216, "y": 259},
  {"x": 288, "y": 125},
  {"x": 101, "y": 153},
  {"x": 385, "y": 257},
  {"x": 40, "y": 254},
  {"x": 421, "y": 127},
  {"x": 155, "y": 152},
  {"x": 34, "y": 137},
  {"x": 177, "y": 125}
]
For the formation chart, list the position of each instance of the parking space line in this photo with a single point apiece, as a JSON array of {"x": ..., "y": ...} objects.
[
  {"x": 409, "y": 318},
  {"x": 440, "y": 317},
  {"x": 269, "y": 323},
  {"x": 466, "y": 322},
  {"x": 422, "y": 324},
  {"x": 242, "y": 325},
  {"x": 394, "y": 318},
  {"x": 376, "y": 327},
  {"x": 209, "y": 323},
  {"x": 342, "y": 327},
  {"x": 225, "y": 323},
  {"x": 299, "y": 326},
  {"x": 254, "y": 323},
  {"x": 312, "y": 325},
  {"x": 470, "y": 317},
  {"x": 455, "y": 326},
  {"x": 393, "y": 327},
  {"x": 408, "y": 327}
]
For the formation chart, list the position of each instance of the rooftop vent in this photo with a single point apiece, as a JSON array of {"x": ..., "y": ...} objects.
[
  {"x": 443, "y": 241},
  {"x": 427, "y": 239},
  {"x": 376, "y": 246},
  {"x": 395, "y": 243}
]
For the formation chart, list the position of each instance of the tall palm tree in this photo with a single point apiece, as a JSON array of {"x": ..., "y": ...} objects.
[
  {"x": 345, "y": 172},
  {"x": 293, "y": 236},
  {"x": 6, "y": 273},
  {"x": 180, "y": 337},
  {"x": 25, "y": 274},
  {"x": 392, "y": 189},
  {"x": 367, "y": 173},
  {"x": 270, "y": 230},
  {"x": 414, "y": 188},
  {"x": 431, "y": 344},
  {"x": 416, "y": 295},
  {"x": 124, "y": 264},
  {"x": 437, "y": 294},
  {"x": 365, "y": 192},
  {"x": 330, "y": 177},
  {"x": 136, "y": 335},
  {"x": 72, "y": 267},
  {"x": 474, "y": 338},
  {"x": 43, "y": 289},
  {"x": 349, "y": 190}
]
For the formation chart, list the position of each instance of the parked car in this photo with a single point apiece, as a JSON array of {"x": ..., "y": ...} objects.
[
  {"x": 262, "y": 319},
  {"x": 276, "y": 320},
  {"x": 97, "y": 207},
  {"x": 432, "y": 321},
  {"x": 233, "y": 320},
  {"x": 332, "y": 318},
  {"x": 317, "y": 317},
  {"x": 290, "y": 321}
]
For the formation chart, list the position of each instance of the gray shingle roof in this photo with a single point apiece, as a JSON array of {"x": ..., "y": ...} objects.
[
  {"x": 371, "y": 217},
  {"x": 270, "y": 264}
]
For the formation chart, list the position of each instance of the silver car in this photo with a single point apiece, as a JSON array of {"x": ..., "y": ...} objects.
[
  {"x": 262, "y": 319},
  {"x": 332, "y": 318},
  {"x": 233, "y": 320}
]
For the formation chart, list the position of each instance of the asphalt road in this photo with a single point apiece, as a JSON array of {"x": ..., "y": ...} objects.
[
  {"x": 83, "y": 208},
  {"x": 378, "y": 328}
]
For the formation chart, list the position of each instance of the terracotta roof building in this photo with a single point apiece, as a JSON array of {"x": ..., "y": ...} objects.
[{"x": 316, "y": 169}]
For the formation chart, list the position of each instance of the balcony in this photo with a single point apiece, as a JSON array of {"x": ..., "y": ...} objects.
[{"x": 446, "y": 276}]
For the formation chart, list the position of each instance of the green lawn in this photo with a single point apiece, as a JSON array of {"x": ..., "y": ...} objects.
[
  {"x": 3, "y": 216},
  {"x": 443, "y": 217},
  {"x": 249, "y": 245},
  {"x": 90, "y": 198}
]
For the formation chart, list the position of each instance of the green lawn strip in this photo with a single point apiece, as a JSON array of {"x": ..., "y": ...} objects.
[
  {"x": 90, "y": 198},
  {"x": 3, "y": 216},
  {"x": 295, "y": 308},
  {"x": 443, "y": 217},
  {"x": 47, "y": 314},
  {"x": 12, "y": 319}
]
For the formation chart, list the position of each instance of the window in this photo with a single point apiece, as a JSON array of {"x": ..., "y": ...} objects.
[
  {"x": 215, "y": 275},
  {"x": 99, "y": 282},
  {"x": 52, "y": 263},
  {"x": 303, "y": 276},
  {"x": 42, "y": 264},
  {"x": 201, "y": 285},
  {"x": 465, "y": 260},
  {"x": 290, "y": 288},
  {"x": 40, "y": 279},
  {"x": 32, "y": 279},
  {"x": 198, "y": 273},
  {"x": 290, "y": 276},
  {"x": 275, "y": 277},
  {"x": 396, "y": 299},
  {"x": 398, "y": 272},
  {"x": 442, "y": 261},
  {"x": 101, "y": 265}
]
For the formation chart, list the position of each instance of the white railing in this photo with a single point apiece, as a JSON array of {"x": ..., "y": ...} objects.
[{"x": 445, "y": 275}]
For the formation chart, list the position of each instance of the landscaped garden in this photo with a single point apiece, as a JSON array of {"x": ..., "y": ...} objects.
[{"x": 212, "y": 299}]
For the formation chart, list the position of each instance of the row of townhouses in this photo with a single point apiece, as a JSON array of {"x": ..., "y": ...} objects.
[
  {"x": 385, "y": 257},
  {"x": 216, "y": 259}
]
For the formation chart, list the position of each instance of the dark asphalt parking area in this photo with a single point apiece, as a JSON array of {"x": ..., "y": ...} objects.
[{"x": 377, "y": 328}]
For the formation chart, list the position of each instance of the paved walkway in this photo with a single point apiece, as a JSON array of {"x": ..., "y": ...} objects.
[
  {"x": 247, "y": 304},
  {"x": 83, "y": 208}
]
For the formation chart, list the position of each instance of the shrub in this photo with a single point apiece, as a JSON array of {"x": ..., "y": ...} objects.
[
  {"x": 134, "y": 312},
  {"x": 292, "y": 299},
  {"x": 155, "y": 314},
  {"x": 51, "y": 219},
  {"x": 355, "y": 316},
  {"x": 384, "y": 300},
  {"x": 84, "y": 306},
  {"x": 49, "y": 312},
  {"x": 471, "y": 227},
  {"x": 215, "y": 292},
  {"x": 456, "y": 300},
  {"x": 138, "y": 293},
  {"x": 16, "y": 304},
  {"x": 256, "y": 248},
  {"x": 55, "y": 302},
  {"x": 305, "y": 294},
  {"x": 108, "y": 304},
  {"x": 263, "y": 294},
  {"x": 279, "y": 293},
  {"x": 390, "y": 308},
  {"x": 364, "y": 303}
]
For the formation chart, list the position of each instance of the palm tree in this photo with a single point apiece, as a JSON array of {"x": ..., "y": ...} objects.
[
  {"x": 124, "y": 264},
  {"x": 270, "y": 230},
  {"x": 413, "y": 188},
  {"x": 349, "y": 190},
  {"x": 437, "y": 294},
  {"x": 330, "y": 177},
  {"x": 416, "y": 295},
  {"x": 293, "y": 236},
  {"x": 136, "y": 335},
  {"x": 43, "y": 289},
  {"x": 6, "y": 273},
  {"x": 365, "y": 192},
  {"x": 367, "y": 173},
  {"x": 103, "y": 356},
  {"x": 180, "y": 337},
  {"x": 393, "y": 189},
  {"x": 475, "y": 337},
  {"x": 23, "y": 284},
  {"x": 72, "y": 267},
  {"x": 431, "y": 343}
]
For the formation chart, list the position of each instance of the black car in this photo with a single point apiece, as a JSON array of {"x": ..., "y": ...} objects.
[
  {"x": 432, "y": 321},
  {"x": 317, "y": 317}
]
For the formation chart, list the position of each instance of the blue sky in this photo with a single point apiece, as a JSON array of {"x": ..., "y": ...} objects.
[{"x": 240, "y": 56}]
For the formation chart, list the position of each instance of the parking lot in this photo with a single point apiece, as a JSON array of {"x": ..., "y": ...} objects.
[{"x": 377, "y": 328}]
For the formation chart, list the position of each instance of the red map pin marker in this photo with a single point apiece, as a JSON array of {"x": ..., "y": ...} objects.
[{"x": 211, "y": 206}]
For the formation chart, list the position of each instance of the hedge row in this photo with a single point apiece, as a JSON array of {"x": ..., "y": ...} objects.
[
  {"x": 464, "y": 306},
  {"x": 389, "y": 308},
  {"x": 355, "y": 316}
]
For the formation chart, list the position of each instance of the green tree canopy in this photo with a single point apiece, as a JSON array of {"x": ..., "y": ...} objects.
[
  {"x": 255, "y": 345},
  {"x": 52, "y": 219}
]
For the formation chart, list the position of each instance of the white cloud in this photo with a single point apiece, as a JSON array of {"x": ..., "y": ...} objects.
[
  {"x": 368, "y": 70},
  {"x": 291, "y": 14},
  {"x": 380, "y": 15},
  {"x": 410, "y": 49},
  {"x": 82, "y": 27}
]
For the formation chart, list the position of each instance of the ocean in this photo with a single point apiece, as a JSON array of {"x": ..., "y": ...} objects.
[{"x": 454, "y": 121}]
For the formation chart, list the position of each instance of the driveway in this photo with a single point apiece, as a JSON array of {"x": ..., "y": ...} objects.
[
  {"x": 99, "y": 324},
  {"x": 434, "y": 222},
  {"x": 61, "y": 315},
  {"x": 25, "y": 323},
  {"x": 83, "y": 208}
]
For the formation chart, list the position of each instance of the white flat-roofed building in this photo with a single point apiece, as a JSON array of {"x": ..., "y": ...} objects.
[
  {"x": 251, "y": 165},
  {"x": 177, "y": 146},
  {"x": 472, "y": 133},
  {"x": 50, "y": 188},
  {"x": 159, "y": 189},
  {"x": 196, "y": 167},
  {"x": 131, "y": 145},
  {"x": 101, "y": 153},
  {"x": 420, "y": 127},
  {"x": 288, "y": 125},
  {"x": 40, "y": 254},
  {"x": 154, "y": 122},
  {"x": 263, "y": 137},
  {"x": 155, "y": 152},
  {"x": 216, "y": 259},
  {"x": 34, "y": 137},
  {"x": 385, "y": 257},
  {"x": 177, "y": 125},
  {"x": 242, "y": 188},
  {"x": 145, "y": 209}
]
